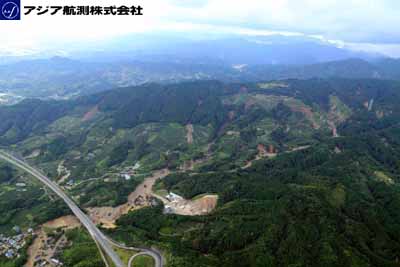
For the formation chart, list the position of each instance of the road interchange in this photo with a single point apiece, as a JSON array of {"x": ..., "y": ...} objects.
[{"x": 104, "y": 242}]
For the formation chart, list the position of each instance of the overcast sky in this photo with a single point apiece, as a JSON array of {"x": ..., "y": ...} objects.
[{"x": 365, "y": 24}]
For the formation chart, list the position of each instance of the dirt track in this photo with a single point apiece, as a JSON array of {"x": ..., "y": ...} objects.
[
  {"x": 39, "y": 247},
  {"x": 140, "y": 197},
  {"x": 189, "y": 133}
]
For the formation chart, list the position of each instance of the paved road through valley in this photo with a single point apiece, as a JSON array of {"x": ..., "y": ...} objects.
[{"x": 96, "y": 234}]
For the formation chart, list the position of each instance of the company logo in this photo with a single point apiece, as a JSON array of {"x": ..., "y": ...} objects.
[{"x": 10, "y": 10}]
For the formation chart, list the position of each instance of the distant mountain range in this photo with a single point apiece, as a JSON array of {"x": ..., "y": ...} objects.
[
  {"x": 230, "y": 50},
  {"x": 165, "y": 59},
  {"x": 62, "y": 78},
  {"x": 348, "y": 68}
]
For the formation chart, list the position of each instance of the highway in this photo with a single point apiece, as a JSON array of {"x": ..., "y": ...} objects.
[{"x": 96, "y": 234}]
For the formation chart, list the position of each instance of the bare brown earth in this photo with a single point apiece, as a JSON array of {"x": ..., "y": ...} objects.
[
  {"x": 307, "y": 112},
  {"x": 90, "y": 114},
  {"x": 190, "y": 164},
  {"x": 189, "y": 133},
  {"x": 140, "y": 197},
  {"x": 40, "y": 248},
  {"x": 63, "y": 173},
  {"x": 200, "y": 206},
  {"x": 380, "y": 114},
  {"x": 262, "y": 153},
  {"x": 143, "y": 194},
  {"x": 334, "y": 118},
  {"x": 270, "y": 153},
  {"x": 366, "y": 104},
  {"x": 66, "y": 222},
  {"x": 332, "y": 126}
]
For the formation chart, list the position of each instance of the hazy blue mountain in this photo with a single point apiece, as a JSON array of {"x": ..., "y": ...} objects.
[
  {"x": 390, "y": 67},
  {"x": 348, "y": 68},
  {"x": 164, "y": 59},
  {"x": 274, "y": 49}
]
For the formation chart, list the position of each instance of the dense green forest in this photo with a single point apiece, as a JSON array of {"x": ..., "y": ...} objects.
[
  {"x": 310, "y": 208},
  {"x": 82, "y": 252},
  {"x": 25, "y": 208},
  {"x": 326, "y": 194}
]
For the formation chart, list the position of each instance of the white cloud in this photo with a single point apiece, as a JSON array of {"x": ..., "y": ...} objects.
[
  {"x": 351, "y": 21},
  {"x": 340, "y": 19}
]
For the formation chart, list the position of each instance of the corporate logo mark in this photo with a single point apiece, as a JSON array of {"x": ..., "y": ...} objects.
[{"x": 10, "y": 10}]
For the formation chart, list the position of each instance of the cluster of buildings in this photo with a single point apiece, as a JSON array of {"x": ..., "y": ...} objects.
[
  {"x": 11, "y": 245},
  {"x": 129, "y": 171},
  {"x": 172, "y": 197},
  {"x": 70, "y": 183},
  {"x": 52, "y": 262},
  {"x": 174, "y": 200},
  {"x": 50, "y": 250},
  {"x": 21, "y": 187}
]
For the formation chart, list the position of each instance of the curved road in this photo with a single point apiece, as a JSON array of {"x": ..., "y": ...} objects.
[
  {"x": 96, "y": 234},
  {"x": 155, "y": 254},
  {"x": 134, "y": 256}
]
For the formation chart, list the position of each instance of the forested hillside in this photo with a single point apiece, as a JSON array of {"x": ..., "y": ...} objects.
[{"x": 307, "y": 172}]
